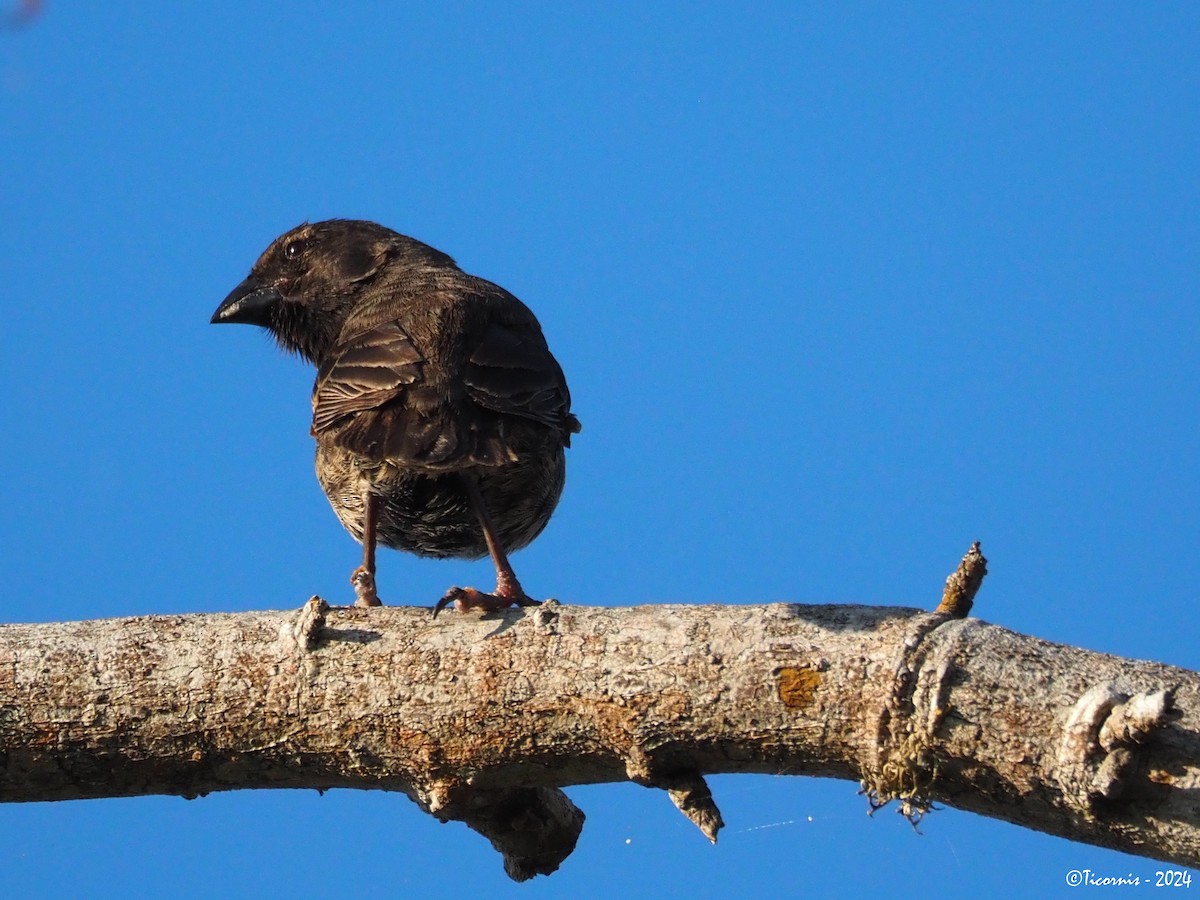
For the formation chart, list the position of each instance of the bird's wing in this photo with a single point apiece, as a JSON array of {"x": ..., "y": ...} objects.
[
  {"x": 511, "y": 371},
  {"x": 362, "y": 401},
  {"x": 370, "y": 397},
  {"x": 363, "y": 374}
]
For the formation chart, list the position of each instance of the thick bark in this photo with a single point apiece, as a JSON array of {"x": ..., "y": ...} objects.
[{"x": 484, "y": 719}]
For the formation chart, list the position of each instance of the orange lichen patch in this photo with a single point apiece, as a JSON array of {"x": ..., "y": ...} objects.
[
  {"x": 797, "y": 686},
  {"x": 1158, "y": 776}
]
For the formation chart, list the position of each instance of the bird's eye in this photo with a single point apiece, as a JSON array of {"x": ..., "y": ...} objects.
[{"x": 293, "y": 249}]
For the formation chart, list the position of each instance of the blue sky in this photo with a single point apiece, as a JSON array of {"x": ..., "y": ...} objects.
[{"x": 838, "y": 289}]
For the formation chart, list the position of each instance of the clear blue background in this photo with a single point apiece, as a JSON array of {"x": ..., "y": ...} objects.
[{"x": 838, "y": 288}]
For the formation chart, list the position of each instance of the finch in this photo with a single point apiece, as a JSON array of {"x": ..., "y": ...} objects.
[{"x": 439, "y": 414}]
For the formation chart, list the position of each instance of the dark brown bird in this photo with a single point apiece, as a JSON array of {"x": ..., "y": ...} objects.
[{"x": 440, "y": 415}]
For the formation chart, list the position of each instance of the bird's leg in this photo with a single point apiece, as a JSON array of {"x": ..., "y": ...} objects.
[
  {"x": 363, "y": 578},
  {"x": 507, "y": 585},
  {"x": 508, "y": 590}
]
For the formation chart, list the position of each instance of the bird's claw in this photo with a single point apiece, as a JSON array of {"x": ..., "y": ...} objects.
[
  {"x": 364, "y": 587},
  {"x": 466, "y": 599}
]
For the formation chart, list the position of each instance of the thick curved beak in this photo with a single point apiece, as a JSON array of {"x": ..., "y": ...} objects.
[{"x": 249, "y": 303}]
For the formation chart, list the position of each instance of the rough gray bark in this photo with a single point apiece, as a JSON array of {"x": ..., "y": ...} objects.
[{"x": 484, "y": 719}]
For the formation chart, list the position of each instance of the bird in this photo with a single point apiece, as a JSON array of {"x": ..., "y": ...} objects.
[{"x": 439, "y": 413}]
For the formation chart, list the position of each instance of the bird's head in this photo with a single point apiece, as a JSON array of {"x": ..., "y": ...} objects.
[{"x": 309, "y": 279}]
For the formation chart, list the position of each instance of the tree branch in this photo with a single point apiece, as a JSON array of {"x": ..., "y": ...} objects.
[{"x": 483, "y": 720}]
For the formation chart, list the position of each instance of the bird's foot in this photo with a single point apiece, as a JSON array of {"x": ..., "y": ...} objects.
[
  {"x": 466, "y": 599},
  {"x": 364, "y": 587}
]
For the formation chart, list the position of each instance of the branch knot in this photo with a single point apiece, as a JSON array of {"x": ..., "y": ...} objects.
[{"x": 1102, "y": 742}]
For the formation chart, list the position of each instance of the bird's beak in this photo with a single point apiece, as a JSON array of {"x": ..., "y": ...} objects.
[{"x": 249, "y": 303}]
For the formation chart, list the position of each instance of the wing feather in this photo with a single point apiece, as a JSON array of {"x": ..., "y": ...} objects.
[
  {"x": 371, "y": 398},
  {"x": 512, "y": 372}
]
